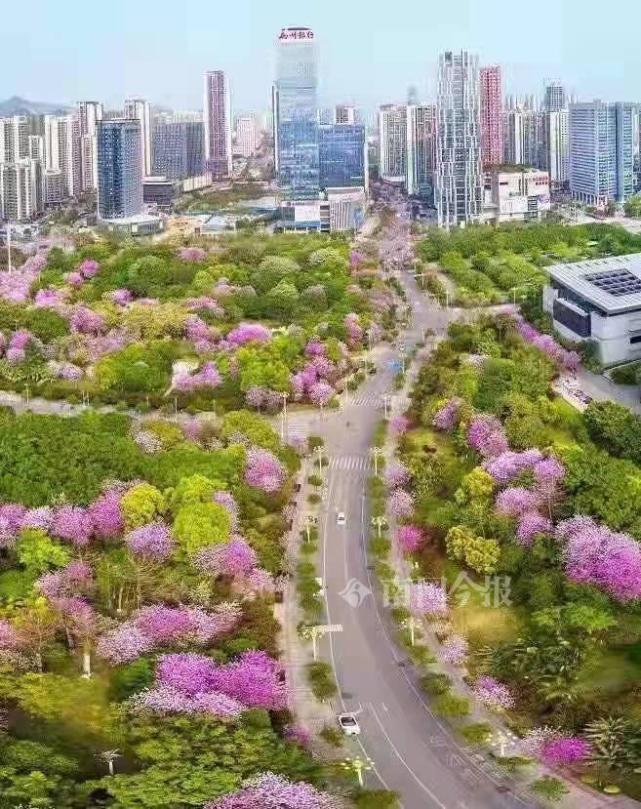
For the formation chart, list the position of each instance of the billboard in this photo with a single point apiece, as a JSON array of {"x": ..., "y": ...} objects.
[{"x": 295, "y": 34}]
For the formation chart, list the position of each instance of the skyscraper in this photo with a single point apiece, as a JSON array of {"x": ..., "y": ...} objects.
[
  {"x": 89, "y": 113},
  {"x": 217, "y": 124},
  {"x": 139, "y": 108},
  {"x": 458, "y": 189},
  {"x": 557, "y": 147},
  {"x": 601, "y": 152},
  {"x": 342, "y": 156},
  {"x": 178, "y": 148},
  {"x": 345, "y": 114},
  {"x": 62, "y": 150},
  {"x": 120, "y": 171},
  {"x": 20, "y": 190},
  {"x": 14, "y": 138},
  {"x": 491, "y": 110},
  {"x": 555, "y": 97},
  {"x": 421, "y": 150},
  {"x": 392, "y": 143},
  {"x": 296, "y": 114}
]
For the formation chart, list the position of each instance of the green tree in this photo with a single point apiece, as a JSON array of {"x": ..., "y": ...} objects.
[
  {"x": 201, "y": 524},
  {"x": 38, "y": 552},
  {"x": 478, "y": 553},
  {"x": 142, "y": 504}
]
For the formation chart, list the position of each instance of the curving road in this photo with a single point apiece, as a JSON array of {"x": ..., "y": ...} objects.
[{"x": 412, "y": 751}]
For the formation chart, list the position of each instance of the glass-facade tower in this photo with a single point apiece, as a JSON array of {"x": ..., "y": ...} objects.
[
  {"x": 296, "y": 115},
  {"x": 120, "y": 168},
  {"x": 343, "y": 161}
]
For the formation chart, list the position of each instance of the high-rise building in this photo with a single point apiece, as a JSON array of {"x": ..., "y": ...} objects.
[
  {"x": 120, "y": 170},
  {"x": 14, "y": 138},
  {"x": 54, "y": 187},
  {"x": 139, "y": 108},
  {"x": 246, "y": 135},
  {"x": 345, "y": 114},
  {"x": 491, "y": 110},
  {"x": 601, "y": 152},
  {"x": 89, "y": 113},
  {"x": 20, "y": 190},
  {"x": 557, "y": 147},
  {"x": 343, "y": 156},
  {"x": 421, "y": 150},
  {"x": 217, "y": 125},
  {"x": 523, "y": 137},
  {"x": 412, "y": 96},
  {"x": 392, "y": 143},
  {"x": 178, "y": 148},
  {"x": 555, "y": 97},
  {"x": 295, "y": 107},
  {"x": 458, "y": 192},
  {"x": 62, "y": 150}
]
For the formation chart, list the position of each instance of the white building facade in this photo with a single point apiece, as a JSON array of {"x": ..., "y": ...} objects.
[
  {"x": 392, "y": 143},
  {"x": 519, "y": 196}
]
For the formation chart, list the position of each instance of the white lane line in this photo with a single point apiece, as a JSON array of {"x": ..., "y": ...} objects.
[
  {"x": 332, "y": 656},
  {"x": 398, "y": 755}
]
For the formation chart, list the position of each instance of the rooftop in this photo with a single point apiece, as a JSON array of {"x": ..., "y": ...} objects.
[{"x": 611, "y": 284}]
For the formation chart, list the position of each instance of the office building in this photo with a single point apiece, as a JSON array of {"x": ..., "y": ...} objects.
[
  {"x": 89, "y": 113},
  {"x": 246, "y": 135},
  {"x": 138, "y": 108},
  {"x": 421, "y": 150},
  {"x": 518, "y": 195},
  {"x": 178, "y": 148},
  {"x": 491, "y": 115},
  {"x": 120, "y": 170},
  {"x": 343, "y": 156},
  {"x": 296, "y": 120},
  {"x": 160, "y": 191},
  {"x": 599, "y": 301},
  {"x": 62, "y": 150},
  {"x": 556, "y": 138},
  {"x": 14, "y": 138},
  {"x": 20, "y": 190},
  {"x": 458, "y": 192},
  {"x": 343, "y": 209},
  {"x": 601, "y": 152},
  {"x": 392, "y": 143},
  {"x": 217, "y": 125},
  {"x": 555, "y": 97},
  {"x": 345, "y": 114}
]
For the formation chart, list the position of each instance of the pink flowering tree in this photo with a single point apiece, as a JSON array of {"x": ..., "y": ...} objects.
[
  {"x": 73, "y": 524},
  {"x": 270, "y": 791},
  {"x": 427, "y": 598},
  {"x": 485, "y": 434},
  {"x": 492, "y": 693},
  {"x": 454, "y": 650},
  {"x": 509, "y": 464},
  {"x": 106, "y": 515},
  {"x": 447, "y": 417},
  {"x": 151, "y": 542},
  {"x": 400, "y": 503},
  {"x": 248, "y": 333},
  {"x": 516, "y": 501},
  {"x": 531, "y": 524},
  {"x": 192, "y": 254},
  {"x": 236, "y": 559},
  {"x": 409, "y": 538},
  {"x": 565, "y": 751},
  {"x": 264, "y": 471}
]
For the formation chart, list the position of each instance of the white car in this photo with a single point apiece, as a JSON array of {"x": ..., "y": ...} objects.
[
  {"x": 349, "y": 725},
  {"x": 340, "y": 518}
]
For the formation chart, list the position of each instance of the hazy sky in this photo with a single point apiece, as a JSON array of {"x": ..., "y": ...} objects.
[{"x": 370, "y": 50}]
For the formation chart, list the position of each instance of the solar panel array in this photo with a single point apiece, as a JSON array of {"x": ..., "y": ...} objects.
[{"x": 615, "y": 282}]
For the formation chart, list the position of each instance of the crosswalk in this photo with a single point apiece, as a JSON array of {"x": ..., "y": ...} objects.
[
  {"x": 364, "y": 400},
  {"x": 349, "y": 463}
]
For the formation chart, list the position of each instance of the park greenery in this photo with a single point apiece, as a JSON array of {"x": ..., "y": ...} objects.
[
  {"x": 217, "y": 200},
  {"x": 142, "y": 553},
  {"x": 524, "y": 520},
  {"x": 502, "y": 264}
]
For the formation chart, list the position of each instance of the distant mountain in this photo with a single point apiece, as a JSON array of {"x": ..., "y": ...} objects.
[{"x": 20, "y": 106}]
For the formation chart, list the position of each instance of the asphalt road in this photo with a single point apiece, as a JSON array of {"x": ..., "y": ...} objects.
[{"x": 411, "y": 751}]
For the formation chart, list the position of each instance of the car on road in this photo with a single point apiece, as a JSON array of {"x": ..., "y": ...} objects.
[
  {"x": 340, "y": 518},
  {"x": 348, "y": 724}
]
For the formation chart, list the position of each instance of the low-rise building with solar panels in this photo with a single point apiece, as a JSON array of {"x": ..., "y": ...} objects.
[{"x": 598, "y": 300}]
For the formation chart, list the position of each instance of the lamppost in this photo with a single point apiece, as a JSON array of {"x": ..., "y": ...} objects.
[
  {"x": 8, "y": 230},
  {"x": 376, "y": 453},
  {"x": 379, "y": 523},
  {"x": 387, "y": 401},
  {"x": 319, "y": 452},
  {"x": 283, "y": 431},
  {"x": 358, "y": 766}
]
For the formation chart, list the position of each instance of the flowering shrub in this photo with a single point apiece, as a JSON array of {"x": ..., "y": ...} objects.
[
  {"x": 207, "y": 377},
  {"x": 516, "y": 501},
  {"x": 121, "y": 297},
  {"x": 86, "y": 321},
  {"x": 399, "y": 425},
  {"x": 353, "y": 329},
  {"x": 454, "y": 650},
  {"x": 493, "y": 693},
  {"x": 426, "y": 598},
  {"x": 409, "y": 538},
  {"x": 485, "y": 434},
  {"x": 530, "y": 524},
  {"x": 565, "y": 751},
  {"x": 509, "y": 464},
  {"x": 235, "y": 558},
  {"x": 89, "y": 268},
  {"x": 400, "y": 503},
  {"x": 446, "y": 417},
  {"x": 569, "y": 360},
  {"x": 152, "y": 541},
  {"x": 191, "y": 254},
  {"x": 248, "y": 333},
  {"x": 73, "y": 524},
  {"x": 321, "y": 393}
]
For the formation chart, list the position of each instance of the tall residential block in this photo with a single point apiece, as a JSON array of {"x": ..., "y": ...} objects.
[
  {"x": 345, "y": 114},
  {"x": 246, "y": 135},
  {"x": 217, "y": 125},
  {"x": 392, "y": 143},
  {"x": 21, "y": 187},
  {"x": 458, "y": 191},
  {"x": 556, "y": 137},
  {"x": 343, "y": 156},
  {"x": 296, "y": 120},
  {"x": 120, "y": 170},
  {"x": 421, "y": 150},
  {"x": 62, "y": 151},
  {"x": 601, "y": 152},
  {"x": 491, "y": 112},
  {"x": 14, "y": 138},
  {"x": 555, "y": 97},
  {"x": 89, "y": 113},
  {"x": 139, "y": 109}
]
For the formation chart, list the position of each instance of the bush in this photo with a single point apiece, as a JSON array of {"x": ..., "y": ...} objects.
[
  {"x": 626, "y": 374},
  {"x": 321, "y": 680},
  {"x": 476, "y": 732},
  {"x": 376, "y": 799},
  {"x": 435, "y": 684},
  {"x": 552, "y": 789},
  {"x": 452, "y": 706},
  {"x": 331, "y": 735}
]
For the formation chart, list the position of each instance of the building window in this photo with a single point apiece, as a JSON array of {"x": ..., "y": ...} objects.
[{"x": 572, "y": 320}]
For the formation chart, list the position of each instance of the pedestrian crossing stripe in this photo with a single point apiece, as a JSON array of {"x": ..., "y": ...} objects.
[
  {"x": 363, "y": 401},
  {"x": 350, "y": 462}
]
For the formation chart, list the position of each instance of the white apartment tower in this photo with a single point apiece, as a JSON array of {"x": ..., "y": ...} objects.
[
  {"x": 89, "y": 113},
  {"x": 62, "y": 151},
  {"x": 392, "y": 140},
  {"x": 458, "y": 191},
  {"x": 246, "y": 135},
  {"x": 138, "y": 108}
]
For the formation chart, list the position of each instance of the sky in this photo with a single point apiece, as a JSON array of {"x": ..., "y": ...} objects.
[{"x": 370, "y": 50}]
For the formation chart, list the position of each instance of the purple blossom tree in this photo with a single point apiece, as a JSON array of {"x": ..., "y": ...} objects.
[
  {"x": 396, "y": 475},
  {"x": 73, "y": 524},
  {"x": 485, "y": 434},
  {"x": 106, "y": 515},
  {"x": 530, "y": 524},
  {"x": 321, "y": 393},
  {"x": 454, "y": 650},
  {"x": 235, "y": 558},
  {"x": 89, "y": 268},
  {"x": 447, "y": 417},
  {"x": 247, "y": 333},
  {"x": 426, "y": 598},
  {"x": 400, "y": 503},
  {"x": 516, "y": 501},
  {"x": 565, "y": 751},
  {"x": 86, "y": 321},
  {"x": 121, "y": 297},
  {"x": 264, "y": 470},
  {"x": 270, "y": 791},
  {"x": 409, "y": 538},
  {"x": 193, "y": 254},
  {"x": 152, "y": 541},
  {"x": 492, "y": 693},
  {"x": 509, "y": 464}
]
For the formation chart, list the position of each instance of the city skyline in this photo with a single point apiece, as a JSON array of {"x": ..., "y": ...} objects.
[{"x": 131, "y": 53}]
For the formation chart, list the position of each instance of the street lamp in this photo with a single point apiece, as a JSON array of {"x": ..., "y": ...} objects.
[
  {"x": 387, "y": 401},
  {"x": 283, "y": 432},
  {"x": 376, "y": 453},
  {"x": 379, "y": 523},
  {"x": 319, "y": 452},
  {"x": 358, "y": 766}
]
